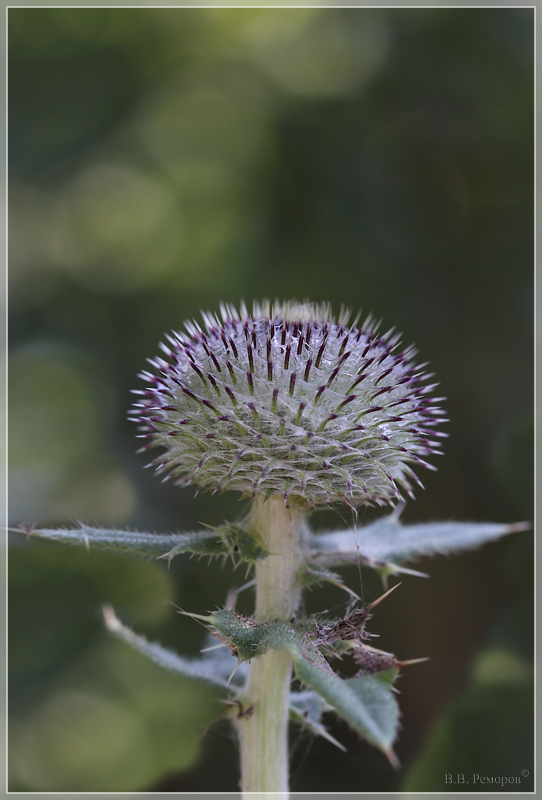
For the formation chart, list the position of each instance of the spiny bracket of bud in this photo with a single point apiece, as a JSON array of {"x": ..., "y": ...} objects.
[
  {"x": 352, "y": 627},
  {"x": 288, "y": 400},
  {"x": 370, "y": 660},
  {"x": 349, "y": 634}
]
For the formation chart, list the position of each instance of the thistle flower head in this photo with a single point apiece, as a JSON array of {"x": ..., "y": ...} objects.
[{"x": 289, "y": 401}]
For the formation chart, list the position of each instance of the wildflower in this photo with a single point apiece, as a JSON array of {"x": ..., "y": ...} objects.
[{"x": 288, "y": 400}]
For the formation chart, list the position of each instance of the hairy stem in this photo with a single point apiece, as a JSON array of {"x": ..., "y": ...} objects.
[{"x": 264, "y": 733}]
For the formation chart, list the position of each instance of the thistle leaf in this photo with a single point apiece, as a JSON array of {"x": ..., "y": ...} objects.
[
  {"x": 243, "y": 544},
  {"x": 366, "y": 703},
  {"x": 229, "y": 539},
  {"x": 213, "y": 668},
  {"x": 306, "y": 709},
  {"x": 314, "y": 575},
  {"x": 245, "y": 637},
  {"x": 387, "y": 540},
  {"x": 159, "y": 545}
]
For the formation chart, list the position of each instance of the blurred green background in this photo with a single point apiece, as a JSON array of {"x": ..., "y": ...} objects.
[{"x": 163, "y": 160}]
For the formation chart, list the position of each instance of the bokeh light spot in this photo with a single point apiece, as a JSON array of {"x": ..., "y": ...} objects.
[
  {"x": 81, "y": 742},
  {"x": 310, "y": 53},
  {"x": 117, "y": 229}
]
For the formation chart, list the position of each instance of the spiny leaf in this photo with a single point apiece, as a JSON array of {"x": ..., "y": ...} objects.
[
  {"x": 366, "y": 703},
  {"x": 214, "y": 668},
  {"x": 315, "y": 574},
  {"x": 158, "y": 545},
  {"x": 239, "y": 543},
  {"x": 387, "y": 540},
  {"x": 245, "y": 637},
  {"x": 306, "y": 708}
]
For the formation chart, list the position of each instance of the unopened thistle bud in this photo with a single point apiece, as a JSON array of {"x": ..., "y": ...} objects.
[{"x": 289, "y": 401}]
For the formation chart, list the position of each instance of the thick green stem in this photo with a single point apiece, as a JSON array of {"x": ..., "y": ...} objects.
[{"x": 264, "y": 733}]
